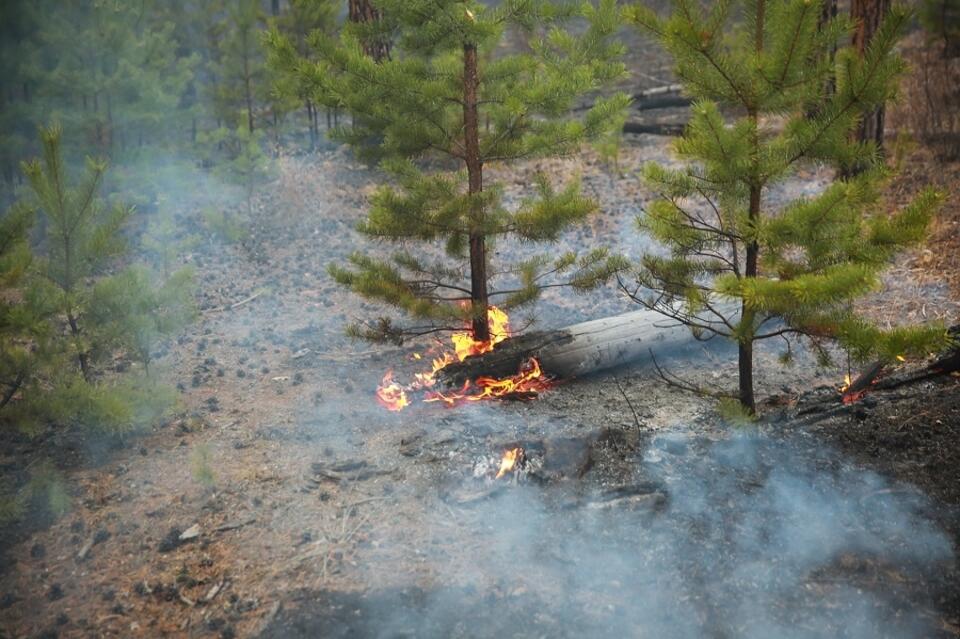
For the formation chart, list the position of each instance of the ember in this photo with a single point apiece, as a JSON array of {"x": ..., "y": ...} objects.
[
  {"x": 513, "y": 459},
  {"x": 526, "y": 384}
]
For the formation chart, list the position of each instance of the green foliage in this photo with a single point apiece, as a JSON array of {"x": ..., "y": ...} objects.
[
  {"x": 68, "y": 310},
  {"x": 238, "y": 65},
  {"x": 413, "y": 107},
  {"x": 200, "y": 466},
  {"x": 802, "y": 263},
  {"x": 224, "y": 226},
  {"x": 941, "y": 19},
  {"x": 45, "y": 490},
  {"x": 164, "y": 242},
  {"x": 237, "y": 156}
]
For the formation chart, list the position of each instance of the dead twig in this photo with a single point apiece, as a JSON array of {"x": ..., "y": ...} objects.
[
  {"x": 676, "y": 382},
  {"x": 636, "y": 418}
]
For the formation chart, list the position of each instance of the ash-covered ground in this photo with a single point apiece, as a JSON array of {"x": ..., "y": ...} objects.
[{"x": 318, "y": 513}]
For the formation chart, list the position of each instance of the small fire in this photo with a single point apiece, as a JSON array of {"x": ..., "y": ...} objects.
[
  {"x": 391, "y": 395},
  {"x": 526, "y": 383},
  {"x": 512, "y": 459},
  {"x": 846, "y": 383}
]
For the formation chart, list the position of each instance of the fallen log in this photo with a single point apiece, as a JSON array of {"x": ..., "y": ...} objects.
[
  {"x": 664, "y": 97},
  {"x": 579, "y": 349},
  {"x": 655, "y": 128}
]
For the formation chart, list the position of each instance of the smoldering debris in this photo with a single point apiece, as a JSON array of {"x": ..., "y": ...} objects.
[{"x": 743, "y": 537}]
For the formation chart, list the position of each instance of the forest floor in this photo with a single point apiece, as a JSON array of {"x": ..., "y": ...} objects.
[{"x": 311, "y": 511}]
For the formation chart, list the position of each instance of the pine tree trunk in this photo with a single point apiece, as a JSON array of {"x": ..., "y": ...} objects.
[
  {"x": 363, "y": 11},
  {"x": 745, "y": 344},
  {"x": 745, "y": 350},
  {"x": 478, "y": 252},
  {"x": 82, "y": 355},
  {"x": 828, "y": 13},
  {"x": 867, "y": 15}
]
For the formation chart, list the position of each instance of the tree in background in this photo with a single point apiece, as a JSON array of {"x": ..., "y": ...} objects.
[
  {"x": 18, "y": 108},
  {"x": 794, "y": 269},
  {"x": 111, "y": 73},
  {"x": 237, "y": 156},
  {"x": 941, "y": 19},
  {"x": 369, "y": 18},
  {"x": 867, "y": 17},
  {"x": 302, "y": 18},
  {"x": 444, "y": 94},
  {"x": 238, "y": 65}
]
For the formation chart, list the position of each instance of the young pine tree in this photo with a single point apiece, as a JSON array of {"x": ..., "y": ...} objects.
[
  {"x": 448, "y": 91},
  {"x": 237, "y": 156},
  {"x": 793, "y": 269},
  {"x": 93, "y": 311},
  {"x": 81, "y": 239}
]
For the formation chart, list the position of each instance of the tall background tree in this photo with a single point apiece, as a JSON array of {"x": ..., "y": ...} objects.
[
  {"x": 867, "y": 17},
  {"x": 446, "y": 93},
  {"x": 793, "y": 269}
]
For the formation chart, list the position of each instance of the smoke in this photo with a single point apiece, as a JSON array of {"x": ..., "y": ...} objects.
[{"x": 757, "y": 537}]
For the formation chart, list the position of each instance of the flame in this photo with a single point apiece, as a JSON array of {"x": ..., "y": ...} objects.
[
  {"x": 391, "y": 395},
  {"x": 846, "y": 383},
  {"x": 464, "y": 345},
  {"x": 509, "y": 461},
  {"x": 529, "y": 381}
]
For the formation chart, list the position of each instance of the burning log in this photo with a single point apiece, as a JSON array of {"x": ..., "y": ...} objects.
[
  {"x": 854, "y": 390},
  {"x": 576, "y": 350}
]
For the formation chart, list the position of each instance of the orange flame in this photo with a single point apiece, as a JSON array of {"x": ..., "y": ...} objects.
[
  {"x": 528, "y": 382},
  {"x": 509, "y": 461},
  {"x": 391, "y": 395},
  {"x": 846, "y": 383}
]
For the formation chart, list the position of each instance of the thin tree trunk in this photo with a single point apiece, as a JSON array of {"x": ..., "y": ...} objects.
[
  {"x": 81, "y": 355},
  {"x": 363, "y": 11},
  {"x": 478, "y": 252},
  {"x": 248, "y": 91},
  {"x": 745, "y": 342},
  {"x": 745, "y": 350},
  {"x": 867, "y": 15}
]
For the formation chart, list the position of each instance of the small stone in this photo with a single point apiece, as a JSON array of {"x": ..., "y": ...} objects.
[
  {"x": 171, "y": 541},
  {"x": 190, "y": 533}
]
